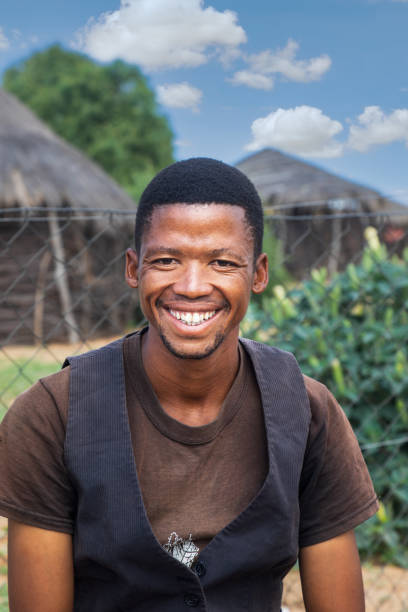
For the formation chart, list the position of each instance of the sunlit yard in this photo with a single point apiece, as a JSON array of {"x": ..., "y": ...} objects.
[{"x": 18, "y": 375}]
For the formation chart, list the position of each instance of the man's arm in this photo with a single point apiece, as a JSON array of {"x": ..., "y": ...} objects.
[
  {"x": 41, "y": 576},
  {"x": 331, "y": 576}
]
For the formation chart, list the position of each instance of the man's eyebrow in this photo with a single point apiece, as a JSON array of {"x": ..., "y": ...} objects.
[
  {"x": 162, "y": 250},
  {"x": 226, "y": 252}
]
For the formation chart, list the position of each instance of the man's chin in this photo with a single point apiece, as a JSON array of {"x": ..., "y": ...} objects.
[{"x": 201, "y": 353}]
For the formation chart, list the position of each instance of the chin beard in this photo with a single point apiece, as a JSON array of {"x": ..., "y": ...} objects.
[{"x": 208, "y": 350}]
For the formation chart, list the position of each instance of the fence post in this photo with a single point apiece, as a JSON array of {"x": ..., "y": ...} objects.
[
  {"x": 60, "y": 275},
  {"x": 335, "y": 247}
]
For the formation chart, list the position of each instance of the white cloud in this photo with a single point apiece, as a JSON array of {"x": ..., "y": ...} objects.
[
  {"x": 374, "y": 127},
  {"x": 179, "y": 95},
  {"x": 303, "y": 130},
  {"x": 4, "y": 42},
  {"x": 159, "y": 34},
  {"x": 252, "y": 79},
  {"x": 283, "y": 61},
  {"x": 15, "y": 39}
]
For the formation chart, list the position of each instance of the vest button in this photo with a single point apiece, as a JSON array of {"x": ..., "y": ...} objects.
[
  {"x": 200, "y": 569},
  {"x": 191, "y": 600}
]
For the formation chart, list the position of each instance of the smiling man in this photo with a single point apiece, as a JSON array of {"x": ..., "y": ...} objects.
[{"x": 181, "y": 466}]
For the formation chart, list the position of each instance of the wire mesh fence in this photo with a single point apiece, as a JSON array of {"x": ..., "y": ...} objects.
[{"x": 338, "y": 299}]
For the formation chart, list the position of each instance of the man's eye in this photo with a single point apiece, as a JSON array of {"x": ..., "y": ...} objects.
[
  {"x": 225, "y": 263},
  {"x": 164, "y": 261}
]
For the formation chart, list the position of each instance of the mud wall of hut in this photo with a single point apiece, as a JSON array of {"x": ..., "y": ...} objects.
[{"x": 30, "y": 304}]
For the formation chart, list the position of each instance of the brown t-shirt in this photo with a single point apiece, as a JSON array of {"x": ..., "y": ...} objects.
[{"x": 194, "y": 480}]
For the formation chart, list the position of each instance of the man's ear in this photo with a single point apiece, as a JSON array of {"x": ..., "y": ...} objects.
[
  {"x": 132, "y": 261},
  {"x": 261, "y": 275}
]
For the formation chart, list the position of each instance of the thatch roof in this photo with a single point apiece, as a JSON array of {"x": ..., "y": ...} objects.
[
  {"x": 37, "y": 167},
  {"x": 282, "y": 179}
]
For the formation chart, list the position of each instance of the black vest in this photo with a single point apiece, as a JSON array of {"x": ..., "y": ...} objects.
[{"x": 119, "y": 564}]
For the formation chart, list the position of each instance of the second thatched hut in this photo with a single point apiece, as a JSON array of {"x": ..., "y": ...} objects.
[{"x": 318, "y": 217}]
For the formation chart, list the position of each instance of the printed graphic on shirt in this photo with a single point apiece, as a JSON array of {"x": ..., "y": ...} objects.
[{"x": 183, "y": 550}]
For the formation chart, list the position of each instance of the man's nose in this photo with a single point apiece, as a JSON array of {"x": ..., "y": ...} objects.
[{"x": 193, "y": 281}]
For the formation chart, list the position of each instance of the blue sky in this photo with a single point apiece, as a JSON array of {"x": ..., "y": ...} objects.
[{"x": 326, "y": 80}]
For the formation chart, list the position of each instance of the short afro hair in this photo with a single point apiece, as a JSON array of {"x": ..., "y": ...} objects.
[{"x": 201, "y": 180}]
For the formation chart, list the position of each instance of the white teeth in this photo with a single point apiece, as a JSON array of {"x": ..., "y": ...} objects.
[{"x": 192, "y": 318}]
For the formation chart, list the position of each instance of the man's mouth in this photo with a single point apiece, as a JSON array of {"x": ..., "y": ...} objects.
[{"x": 192, "y": 318}]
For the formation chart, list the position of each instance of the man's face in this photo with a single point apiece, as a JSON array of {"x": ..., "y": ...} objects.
[{"x": 195, "y": 273}]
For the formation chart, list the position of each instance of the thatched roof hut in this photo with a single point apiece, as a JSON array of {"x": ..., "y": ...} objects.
[
  {"x": 338, "y": 210},
  {"x": 283, "y": 179},
  {"x": 37, "y": 167},
  {"x": 53, "y": 283}
]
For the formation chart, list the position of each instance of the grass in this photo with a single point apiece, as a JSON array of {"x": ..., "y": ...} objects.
[
  {"x": 17, "y": 376},
  {"x": 4, "y": 607}
]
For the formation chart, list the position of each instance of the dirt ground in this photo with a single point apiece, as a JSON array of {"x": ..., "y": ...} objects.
[
  {"x": 386, "y": 590},
  {"x": 52, "y": 353}
]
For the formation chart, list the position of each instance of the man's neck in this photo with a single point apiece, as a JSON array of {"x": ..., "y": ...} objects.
[{"x": 191, "y": 391}]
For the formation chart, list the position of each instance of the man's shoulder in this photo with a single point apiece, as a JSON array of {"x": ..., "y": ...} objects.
[
  {"x": 58, "y": 381},
  {"x": 316, "y": 390},
  {"x": 54, "y": 385},
  {"x": 318, "y": 394},
  {"x": 261, "y": 348},
  {"x": 271, "y": 359},
  {"x": 324, "y": 406},
  {"x": 45, "y": 400},
  {"x": 115, "y": 344}
]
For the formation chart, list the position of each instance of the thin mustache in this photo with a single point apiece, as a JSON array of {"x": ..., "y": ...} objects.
[{"x": 187, "y": 304}]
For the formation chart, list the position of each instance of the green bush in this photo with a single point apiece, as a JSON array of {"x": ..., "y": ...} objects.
[{"x": 350, "y": 332}]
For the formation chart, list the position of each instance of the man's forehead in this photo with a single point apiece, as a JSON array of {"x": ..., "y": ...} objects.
[
  {"x": 203, "y": 209},
  {"x": 201, "y": 219}
]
